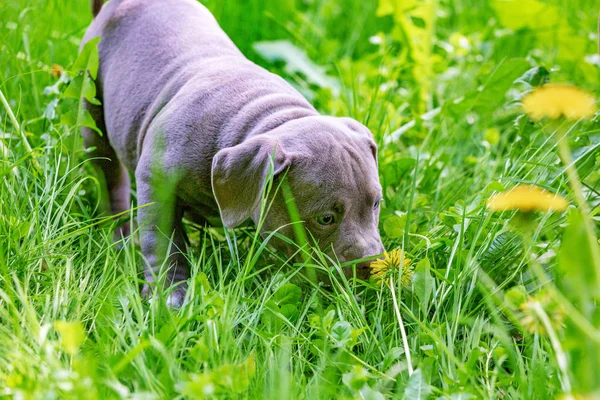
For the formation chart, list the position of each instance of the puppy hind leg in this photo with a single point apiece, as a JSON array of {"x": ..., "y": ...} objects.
[
  {"x": 162, "y": 235},
  {"x": 105, "y": 161}
]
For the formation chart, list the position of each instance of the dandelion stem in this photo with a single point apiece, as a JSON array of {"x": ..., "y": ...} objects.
[
  {"x": 402, "y": 330},
  {"x": 561, "y": 358}
]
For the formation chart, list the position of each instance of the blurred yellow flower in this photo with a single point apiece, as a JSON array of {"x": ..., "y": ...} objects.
[
  {"x": 556, "y": 100},
  {"x": 395, "y": 259},
  {"x": 492, "y": 136},
  {"x": 527, "y": 198},
  {"x": 72, "y": 335},
  {"x": 542, "y": 302}
]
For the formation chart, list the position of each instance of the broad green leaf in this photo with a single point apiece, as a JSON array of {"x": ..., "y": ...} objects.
[
  {"x": 269, "y": 317},
  {"x": 535, "y": 76},
  {"x": 83, "y": 119},
  {"x": 82, "y": 87},
  {"x": 578, "y": 281},
  {"x": 367, "y": 393},
  {"x": 88, "y": 59},
  {"x": 575, "y": 261},
  {"x": 395, "y": 225},
  {"x": 203, "y": 283},
  {"x": 356, "y": 378},
  {"x": 550, "y": 27},
  {"x": 417, "y": 387},
  {"x": 391, "y": 356},
  {"x": 296, "y": 61},
  {"x": 290, "y": 311},
  {"x": 225, "y": 380},
  {"x": 490, "y": 95},
  {"x": 200, "y": 352},
  {"x": 341, "y": 332},
  {"x": 328, "y": 319},
  {"x": 518, "y": 14},
  {"x": 423, "y": 283},
  {"x": 395, "y": 170},
  {"x": 287, "y": 294}
]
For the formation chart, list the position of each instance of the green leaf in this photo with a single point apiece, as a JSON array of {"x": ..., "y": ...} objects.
[
  {"x": 536, "y": 76},
  {"x": 289, "y": 311},
  {"x": 491, "y": 94},
  {"x": 82, "y": 87},
  {"x": 545, "y": 21},
  {"x": 518, "y": 14},
  {"x": 395, "y": 225},
  {"x": 423, "y": 283},
  {"x": 391, "y": 356},
  {"x": 356, "y": 378},
  {"x": 296, "y": 61},
  {"x": 84, "y": 118},
  {"x": 328, "y": 319},
  {"x": 341, "y": 332},
  {"x": 88, "y": 59},
  {"x": 417, "y": 387},
  {"x": 575, "y": 261},
  {"x": 395, "y": 170},
  {"x": 203, "y": 283},
  {"x": 226, "y": 380},
  {"x": 287, "y": 294}
]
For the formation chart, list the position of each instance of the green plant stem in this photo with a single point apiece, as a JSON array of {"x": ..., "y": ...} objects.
[
  {"x": 17, "y": 126},
  {"x": 298, "y": 227},
  {"x": 561, "y": 358},
  {"x": 401, "y": 325},
  {"x": 575, "y": 182},
  {"x": 5, "y": 153}
]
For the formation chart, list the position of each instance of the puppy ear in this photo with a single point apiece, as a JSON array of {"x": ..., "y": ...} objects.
[
  {"x": 238, "y": 176},
  {"x": 362, "y": 130}
]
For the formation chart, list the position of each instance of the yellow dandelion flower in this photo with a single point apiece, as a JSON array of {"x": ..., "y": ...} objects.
[
  {"x": 558, "y": 100},
  {"x": 530, "y": 316},
  {"x": 395, "y": 259},
  {"x": 527, "y": 198}
]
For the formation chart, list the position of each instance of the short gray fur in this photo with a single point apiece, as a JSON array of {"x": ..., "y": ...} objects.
[{"x": 179, "y": 96}]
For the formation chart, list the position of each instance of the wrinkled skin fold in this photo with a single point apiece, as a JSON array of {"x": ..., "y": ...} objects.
[{"x": 187, "y": 114}]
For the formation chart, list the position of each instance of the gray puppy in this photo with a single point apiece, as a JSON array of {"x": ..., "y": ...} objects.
[{"x": 177, "y": 92}]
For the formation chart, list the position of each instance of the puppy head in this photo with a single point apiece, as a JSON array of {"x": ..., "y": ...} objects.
[{"x": 331, "y": 167}]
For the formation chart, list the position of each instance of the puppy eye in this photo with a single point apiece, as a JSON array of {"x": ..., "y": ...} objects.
[
  {"x": 325, "y": 220},
  {"x": 376, "y": 205}
]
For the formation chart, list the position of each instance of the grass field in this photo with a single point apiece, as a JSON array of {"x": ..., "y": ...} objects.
[{"x": 494, "y": 304}]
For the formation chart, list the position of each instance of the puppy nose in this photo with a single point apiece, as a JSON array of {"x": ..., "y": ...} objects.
[
  {"x": 357, "y": 252},
  {"x": 363, "y": 271}
]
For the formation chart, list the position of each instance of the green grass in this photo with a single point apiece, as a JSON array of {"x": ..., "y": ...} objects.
[{"x": 440, "y": 88}]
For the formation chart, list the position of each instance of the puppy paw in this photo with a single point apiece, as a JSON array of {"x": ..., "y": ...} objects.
[
  {"x": 177, "y": 298},
  {"x": 121, "y": 234}
]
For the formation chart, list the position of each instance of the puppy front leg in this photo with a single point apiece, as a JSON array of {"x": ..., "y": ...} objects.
[{"x": 160, "y": 221}]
